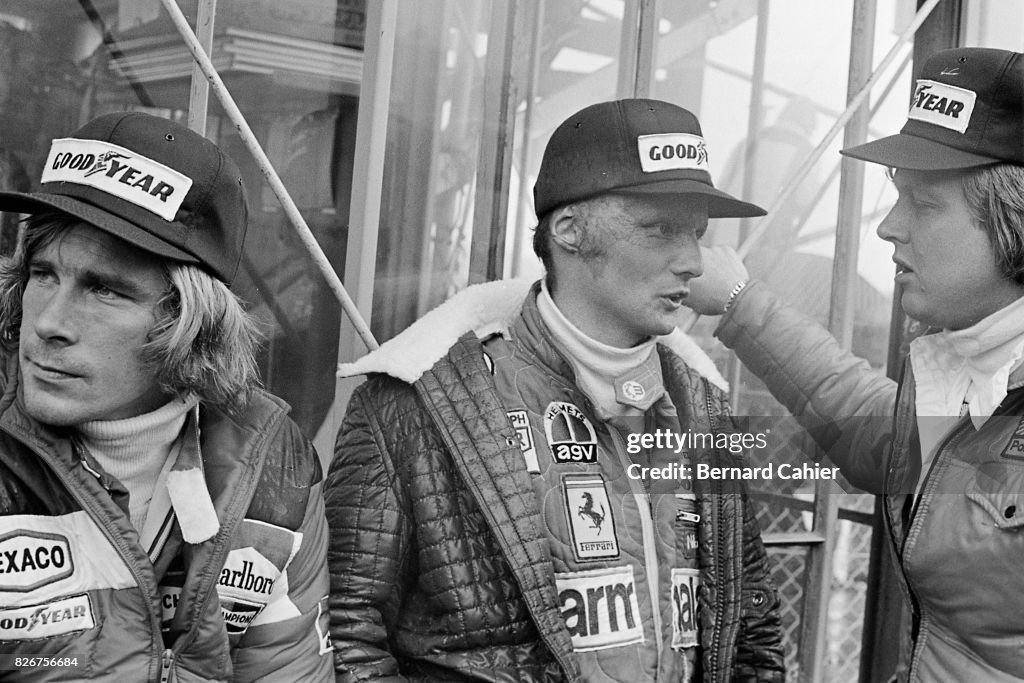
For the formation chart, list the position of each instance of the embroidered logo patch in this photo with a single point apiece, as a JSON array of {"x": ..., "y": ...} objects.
[
  {"x": 244, "y": 587},
  {"x": 684, "y": 607},
  {"x": 238, "y": 614},
  {"x": 943, "y": 105},
  {"x": 46, "y": 620},
  {"x": 1015, "y": 446},
  {"x": 672, "y": 151},
  {"x": 570, "y": 435},
  {"x": 590, "y": 518},
  {"x": 599, "y": 608},
  {"x": 118, "y": 171},
  {"x": 633, "y": 390},
  {"x": 32, "y": 559},
  {"x": 524, "y": 433}
]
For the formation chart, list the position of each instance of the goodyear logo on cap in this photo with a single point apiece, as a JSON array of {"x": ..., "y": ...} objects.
[
  {"x": 672, "y": 151},
  {"x": 117, "y": 171},
  {"x": 943, "y": 105}
]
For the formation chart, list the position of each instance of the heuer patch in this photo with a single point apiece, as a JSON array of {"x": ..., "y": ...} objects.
[
  {"x": 942, "y": 104},
  {"x": 32, "y": 559},
  {"x": 599, "y": 608},
  {"x": 1015, "y": 446},
  {"x": 684, "y": 607},
  {"x": 589, "y": 513},
  {"x": 53, "y": 618},
  {"x": 524, "y": 433},
  {"x": 570, "y": 435}
]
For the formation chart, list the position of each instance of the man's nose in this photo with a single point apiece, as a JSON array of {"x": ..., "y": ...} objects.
[
  {"x": 52, "y": 314},
  {"x": 688, "y": 262},
  {"x": 892, "y": 228}
]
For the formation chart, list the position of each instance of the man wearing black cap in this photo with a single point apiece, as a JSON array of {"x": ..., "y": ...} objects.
[
  {"x": 951, "y": 464},
  {"x": 493, "y": 510},
  {"x": 160, "y": 517}
]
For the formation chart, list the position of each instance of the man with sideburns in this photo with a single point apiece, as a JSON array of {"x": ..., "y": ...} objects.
[
  {"x": 161, "y": 517},
  {"x": 483, "y": 524}
]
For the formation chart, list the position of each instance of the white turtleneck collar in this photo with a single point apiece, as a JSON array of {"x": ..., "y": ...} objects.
[
  {"x": 970, "y": 366},
  {"x": 136, "y": 449},
  {"x": 618, "y": 381}
]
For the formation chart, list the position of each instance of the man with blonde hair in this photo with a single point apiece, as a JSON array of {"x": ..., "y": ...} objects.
[
  {"x": 160, "y": 517},
  {"x": 943, "y": 446}
]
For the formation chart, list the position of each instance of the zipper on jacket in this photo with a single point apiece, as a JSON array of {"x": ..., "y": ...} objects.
[
  {"x": 165, "y": 667},
  {"x": 926, "y": 485},
  {"x": 716, "y": 632},
  {"x": 97, "y": 516}
]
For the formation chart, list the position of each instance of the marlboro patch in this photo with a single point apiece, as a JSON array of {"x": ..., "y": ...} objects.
[
  {"x": 591, "y": 522},
  {"x": 1015, "y": 447}
]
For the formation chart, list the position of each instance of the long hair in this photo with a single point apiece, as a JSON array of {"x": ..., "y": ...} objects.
[
  {"x": 995, "y": 196},
  {"x": 203, "y": 342}
]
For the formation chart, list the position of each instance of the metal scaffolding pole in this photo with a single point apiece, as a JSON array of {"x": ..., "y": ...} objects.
[{"x": 249, "y": 139}]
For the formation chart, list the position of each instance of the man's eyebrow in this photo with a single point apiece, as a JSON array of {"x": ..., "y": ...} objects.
[
  {"x": 115, "y": 281},
  {"x": 109, "y": 279}
]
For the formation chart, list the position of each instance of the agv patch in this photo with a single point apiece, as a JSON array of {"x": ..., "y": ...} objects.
[{"x": 570, "y": 435}]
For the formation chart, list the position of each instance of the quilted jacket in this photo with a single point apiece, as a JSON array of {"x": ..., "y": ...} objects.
[
  {"x": 247, "y": 604},
  {"x": 439, "y": 558}
]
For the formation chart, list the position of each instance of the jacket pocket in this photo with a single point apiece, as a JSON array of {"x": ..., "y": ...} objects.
[{"x": 1004, "y": 507}]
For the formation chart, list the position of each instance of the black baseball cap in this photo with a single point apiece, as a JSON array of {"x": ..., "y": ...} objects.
[
  {"x": 967, "y": 111},
  {"x": 151, "y": 182},
  {"x": 630, "y": 146}
]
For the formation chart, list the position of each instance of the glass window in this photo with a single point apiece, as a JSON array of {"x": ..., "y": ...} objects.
[
  {"x": 574, "y": 62},
  {"x": 448, "y": 58}
]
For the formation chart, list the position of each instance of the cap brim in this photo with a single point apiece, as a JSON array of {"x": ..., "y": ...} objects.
[
  {"x": 720, "y": 204},
  {"x": 916, "y": 154},
  {"x": 18, "y": 202}
]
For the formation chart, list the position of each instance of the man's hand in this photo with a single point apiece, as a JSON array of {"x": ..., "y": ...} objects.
[{"x": 723, "y": 269}]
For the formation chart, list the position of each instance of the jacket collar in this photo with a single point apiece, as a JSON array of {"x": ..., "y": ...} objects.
[
  {"x": 485, "y": 309},
  {"x": 213, "y": 470}
]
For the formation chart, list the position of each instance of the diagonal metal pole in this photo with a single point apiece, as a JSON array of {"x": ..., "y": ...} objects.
[{"x": 249, "y": 139}]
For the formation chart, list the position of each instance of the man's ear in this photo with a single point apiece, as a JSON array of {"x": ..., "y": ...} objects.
[{"x": 565, "y": 228}]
